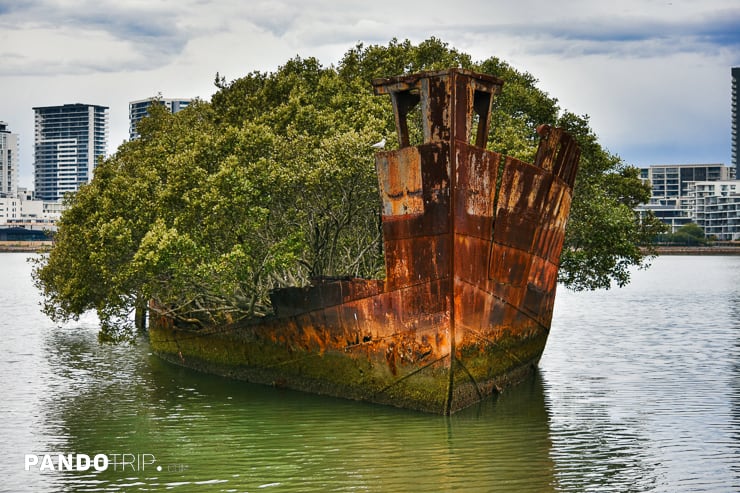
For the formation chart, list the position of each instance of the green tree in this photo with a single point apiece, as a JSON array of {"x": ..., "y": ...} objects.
[
  {"x": 272, "y": 183},
  {"x": 690, "y": 234}
]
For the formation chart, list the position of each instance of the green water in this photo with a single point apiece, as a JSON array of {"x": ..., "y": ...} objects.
[{"x": 639, "y": 390}]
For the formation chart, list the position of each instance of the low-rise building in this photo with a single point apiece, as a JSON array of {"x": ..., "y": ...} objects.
[
  {"x": 19, "y": 212},
  {"x": 716, "y": 207},
  {"x": 671, "y": 181},
  {"x": 670, "y": 211},
  {"x": 705, "y": 194}
]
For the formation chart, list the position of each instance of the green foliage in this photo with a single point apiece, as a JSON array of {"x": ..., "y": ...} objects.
[
  {"x": 690, "y": 234},
  {"x": 272, "y": 182},
  {"x": 605, "y": 236}
]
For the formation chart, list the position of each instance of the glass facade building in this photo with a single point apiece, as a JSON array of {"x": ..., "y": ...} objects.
[
  {"x": 736, "y": 116},
  {"x": 139, "y": 109},
  {"x": 69, "y": 139}
]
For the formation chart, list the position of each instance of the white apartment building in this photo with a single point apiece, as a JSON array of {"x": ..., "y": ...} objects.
[
  {"x": 716, "y": 208},
  {"x": 671, "y": 181},
  {"x": 673, "y": 200},
  {"x": 9, "y": 152},
  {"x": 29, "y": 214}
]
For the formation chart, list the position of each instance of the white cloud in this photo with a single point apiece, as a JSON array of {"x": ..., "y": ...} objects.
[
  {"x": 65, "y": 51},
  {"x": 653, "y": 75},
  {"x": 640, "y": 107}
]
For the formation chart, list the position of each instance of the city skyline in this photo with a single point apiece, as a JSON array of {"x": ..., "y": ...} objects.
[{"x": 654, "y": 77}]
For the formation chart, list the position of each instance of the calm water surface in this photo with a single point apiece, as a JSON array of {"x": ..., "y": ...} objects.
[{"x": 638, "y": 390}]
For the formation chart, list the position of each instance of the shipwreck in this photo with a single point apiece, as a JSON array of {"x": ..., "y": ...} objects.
[{"x": 472, "y": 241}]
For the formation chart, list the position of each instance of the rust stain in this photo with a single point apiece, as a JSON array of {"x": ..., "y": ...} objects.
[{"x": 399, "y": 175}]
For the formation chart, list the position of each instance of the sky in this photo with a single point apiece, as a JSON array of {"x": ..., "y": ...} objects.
[{"x": 653, "y": 76}]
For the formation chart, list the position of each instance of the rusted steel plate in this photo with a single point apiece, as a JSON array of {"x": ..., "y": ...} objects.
[
  {"x": 435, "y": 195},
  {"x": 399, "y": 176},
  {"x": 475, "y": 189},
  {"x": 558, "y": 152}
]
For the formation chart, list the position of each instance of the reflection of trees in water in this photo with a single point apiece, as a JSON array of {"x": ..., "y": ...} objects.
[
  {"x": 96, "y": 400},
  {"x": 108, "y": 399}
]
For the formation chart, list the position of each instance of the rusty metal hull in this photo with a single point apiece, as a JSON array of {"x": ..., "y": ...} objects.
[{"x": 472, "y": 241}]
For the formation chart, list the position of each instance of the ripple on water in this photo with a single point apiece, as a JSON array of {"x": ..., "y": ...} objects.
[{"x": 639, "y": 390}]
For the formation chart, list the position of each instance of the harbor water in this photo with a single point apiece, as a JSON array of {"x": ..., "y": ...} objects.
[{"x": 638, "y": 390}]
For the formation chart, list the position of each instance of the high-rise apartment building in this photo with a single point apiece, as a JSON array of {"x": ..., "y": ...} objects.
[
  {"x": 736, "y": 117},
  {"x": 139, "y": 109},
  {"x": 69, "y": 139},
  {"x": 8, "y": 162}
]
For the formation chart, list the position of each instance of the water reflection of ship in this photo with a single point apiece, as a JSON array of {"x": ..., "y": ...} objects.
[{"x": 472, "y": 241}]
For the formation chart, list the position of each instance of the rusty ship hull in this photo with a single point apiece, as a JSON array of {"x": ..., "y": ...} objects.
[{"x": 472, "y": 241}]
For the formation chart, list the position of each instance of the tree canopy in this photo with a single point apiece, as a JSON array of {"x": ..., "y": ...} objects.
[
  {"x": 272, "y": 183},
  {"x": 690, "y": 234}
]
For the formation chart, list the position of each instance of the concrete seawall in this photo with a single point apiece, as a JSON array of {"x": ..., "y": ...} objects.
[
  {"x": 703, "y": 250},
  {"x": 40, "y": 246},
  {"x": 25, "y": 246}
]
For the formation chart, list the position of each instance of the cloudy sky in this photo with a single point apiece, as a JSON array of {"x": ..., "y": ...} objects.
[{"x": 654, "y": 76}]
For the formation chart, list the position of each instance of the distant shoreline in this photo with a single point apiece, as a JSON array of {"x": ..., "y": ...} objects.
[
  {"x": 41, "y": 246},
  {"x": 698, "y": 250},
  {"x": 25, "y": 246}
]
